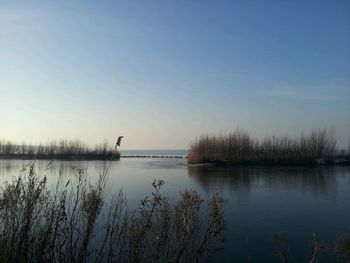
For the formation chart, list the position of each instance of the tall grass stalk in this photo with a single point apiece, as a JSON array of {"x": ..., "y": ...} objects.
[{"x": 77, "y": 221}]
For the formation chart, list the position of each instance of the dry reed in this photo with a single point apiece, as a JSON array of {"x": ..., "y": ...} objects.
[
  {"x": 240, "y": 148},
  {"x": 78, "y": 222}
]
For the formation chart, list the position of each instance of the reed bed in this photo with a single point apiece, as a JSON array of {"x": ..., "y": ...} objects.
[
  {"x": 77, "y": 221},
  {"x": 63, "y": 149},
  {"x": 241, "y": 148}
]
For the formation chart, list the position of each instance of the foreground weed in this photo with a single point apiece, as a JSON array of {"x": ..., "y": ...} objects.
[{"x": 77, "y": 221}]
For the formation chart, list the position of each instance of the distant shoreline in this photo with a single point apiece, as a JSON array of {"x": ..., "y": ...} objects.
[{"x": 155, "y": 156}]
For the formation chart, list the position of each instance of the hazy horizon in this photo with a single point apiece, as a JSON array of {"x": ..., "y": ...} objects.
[{"x": 164, "y": 73}]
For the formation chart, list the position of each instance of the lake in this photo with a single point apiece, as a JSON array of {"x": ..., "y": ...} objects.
[{"x": 260, "y": 202}]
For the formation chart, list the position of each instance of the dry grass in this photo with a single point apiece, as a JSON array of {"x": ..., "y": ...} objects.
[
  {"x": 239, "y": 147},
  {"x": 78, "y": 222},
  {"x": 63, "y": 149}
]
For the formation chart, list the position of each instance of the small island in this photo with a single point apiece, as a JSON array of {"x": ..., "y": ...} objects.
[
  {"x": 58, "y": 150},
  {"x": 319, "y": 147}
]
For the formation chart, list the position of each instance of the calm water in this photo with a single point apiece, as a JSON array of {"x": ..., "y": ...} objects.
[{"x": 260, "y": 202}]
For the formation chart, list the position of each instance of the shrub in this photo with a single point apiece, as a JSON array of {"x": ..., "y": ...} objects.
[
  {"x": 78, "y": 222},
  {"x": 239, "y": 147},
  {"x": 63, "y": 149}
]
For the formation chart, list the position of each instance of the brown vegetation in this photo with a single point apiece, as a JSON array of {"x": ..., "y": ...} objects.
[
  {"x": 79, "y": 222},
  {"x": 240, "y": 148},
  {"x": 63, "y": 149}
]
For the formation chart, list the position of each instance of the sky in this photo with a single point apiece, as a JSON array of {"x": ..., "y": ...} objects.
[{"x": 162, "y": 73}]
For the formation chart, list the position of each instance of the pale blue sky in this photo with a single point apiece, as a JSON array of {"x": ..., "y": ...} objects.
[{"x": 162, "y": 73}]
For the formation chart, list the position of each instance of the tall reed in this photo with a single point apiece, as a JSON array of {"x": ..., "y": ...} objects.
[
  {"x": 239, "y": 147},
  {"x": 62, "y": 149}
]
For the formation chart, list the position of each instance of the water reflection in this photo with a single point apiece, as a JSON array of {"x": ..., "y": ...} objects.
[
  {"x": 260, "y": 201},
  {"x": 321, "y": 182},
  {"x": 13, "y": 167}
]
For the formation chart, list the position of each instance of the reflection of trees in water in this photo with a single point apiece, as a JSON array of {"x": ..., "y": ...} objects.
[
  {"x": 320, "y": 181},
  {"x": 6, "y": 167},
  {"x": 223, "y": 178},
  {"x": 13, "y": 167}
]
